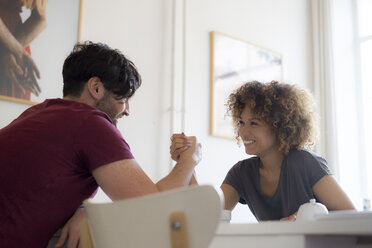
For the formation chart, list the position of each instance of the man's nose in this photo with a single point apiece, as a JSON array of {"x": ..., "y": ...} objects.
[{"x": 126, "y": 111}]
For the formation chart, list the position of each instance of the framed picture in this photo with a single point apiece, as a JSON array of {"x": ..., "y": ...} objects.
[
  {"x": 234, "y": 62},
  {"x": 47, "y": 51}
]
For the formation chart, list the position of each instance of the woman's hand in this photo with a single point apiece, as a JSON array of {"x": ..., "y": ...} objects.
[
  {"x": 30, "y": 73},
  {"x": 194, "y": 152},
  {"x": 292, "y": 217},
  {"x": 21, "y": 67},
  {"x": 11, "y": 70},
  {"x": 20, "y": 71}
]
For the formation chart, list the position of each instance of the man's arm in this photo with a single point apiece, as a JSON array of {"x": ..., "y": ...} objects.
[
  {"x": 119, "y": 180},
  {"x": 125, "y": 179},
  {"x": 182, "y": 173}
]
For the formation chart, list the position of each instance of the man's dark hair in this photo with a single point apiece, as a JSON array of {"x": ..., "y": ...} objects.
[{"x": 117, "y": 73}]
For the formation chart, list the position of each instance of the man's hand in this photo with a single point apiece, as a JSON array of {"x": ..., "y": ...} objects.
[
  {"x": 180, "y": 143},
  {"x": 71, "y": 231}
]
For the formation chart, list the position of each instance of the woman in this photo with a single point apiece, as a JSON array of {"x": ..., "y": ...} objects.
[
  {"x": 275, "y": 122},
  {"x": 18, "y": 70}
]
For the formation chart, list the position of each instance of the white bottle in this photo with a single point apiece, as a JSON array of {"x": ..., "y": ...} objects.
[
  {"x": 366, "y": 204},
  {"x": 307, "y": 211}
]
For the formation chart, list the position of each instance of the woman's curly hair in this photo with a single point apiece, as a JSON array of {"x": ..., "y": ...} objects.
[{"x": 288, "y": 109}]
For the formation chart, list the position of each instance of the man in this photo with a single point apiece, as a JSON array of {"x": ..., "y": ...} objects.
[{"x": 55, "y": 154}]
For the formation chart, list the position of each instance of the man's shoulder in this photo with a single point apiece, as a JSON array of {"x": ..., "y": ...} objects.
[
  {"x": 70, "y": 107},
  {"x": 66, "y": 112},
  {"x": 63, "y": 103}
]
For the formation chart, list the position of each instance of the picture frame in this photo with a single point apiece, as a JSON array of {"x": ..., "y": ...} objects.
[
  {"x": 49, "y": 49},
  {"x": 234, "y": 61}
]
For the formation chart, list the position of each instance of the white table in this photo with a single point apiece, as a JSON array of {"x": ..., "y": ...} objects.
[{"x": 338, "y": 229}]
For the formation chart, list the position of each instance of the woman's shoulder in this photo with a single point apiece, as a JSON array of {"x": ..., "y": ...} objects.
[
  {"x": 303, "y": 154},
  {"x": 305, "y": 157},
  {"x": 247, "y": 164},
  {"x": 241, "y": 170}
]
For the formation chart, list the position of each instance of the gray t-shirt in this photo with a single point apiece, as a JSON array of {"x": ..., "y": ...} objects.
[{"x": 300, "y": 170}]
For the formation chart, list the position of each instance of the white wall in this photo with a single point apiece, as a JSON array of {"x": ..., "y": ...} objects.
[
  {"x": 9, "y": 111},
  {"x": 169, "y": 43}
]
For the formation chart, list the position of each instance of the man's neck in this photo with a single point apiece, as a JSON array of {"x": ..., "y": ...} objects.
[{"x": 81, "y": 99}]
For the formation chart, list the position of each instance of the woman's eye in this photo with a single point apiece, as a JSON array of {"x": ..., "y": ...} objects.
[
  {"x": 253, "y": 123},
  {"x": 240, "y": 122}
]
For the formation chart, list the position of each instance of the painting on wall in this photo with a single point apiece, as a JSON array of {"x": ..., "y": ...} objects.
[
  {"x": 36, "y": 37},
  {"x": 234, "y": 62}
]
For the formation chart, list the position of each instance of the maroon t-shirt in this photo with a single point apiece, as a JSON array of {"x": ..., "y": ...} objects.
[{"x": 47, "y": 156}]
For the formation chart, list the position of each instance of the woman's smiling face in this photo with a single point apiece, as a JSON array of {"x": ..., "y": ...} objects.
[{"x": 258, "y": 137}]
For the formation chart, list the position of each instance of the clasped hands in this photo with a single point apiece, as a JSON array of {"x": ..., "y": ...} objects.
[{"x": 185, "y": 147}]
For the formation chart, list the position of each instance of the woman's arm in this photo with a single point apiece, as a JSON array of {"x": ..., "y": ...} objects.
[
  {"x": 8, "y": 41},
  {"x": 31, "y": 28},
  {"x": 230, "y": 195},
  {"x": 331, "y": 194}
]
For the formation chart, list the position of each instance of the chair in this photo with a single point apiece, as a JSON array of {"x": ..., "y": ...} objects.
[{"x": 181, "y": 218}]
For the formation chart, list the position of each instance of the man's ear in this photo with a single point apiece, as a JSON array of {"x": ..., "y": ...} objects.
[{"x": 95, "y": 88}]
